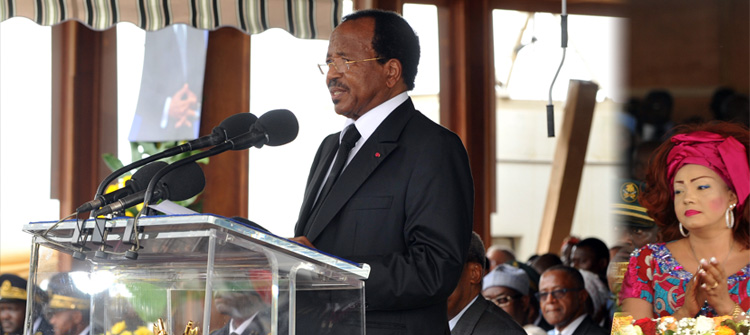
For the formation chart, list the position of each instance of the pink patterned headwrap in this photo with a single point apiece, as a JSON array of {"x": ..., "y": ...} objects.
[{"x": 725, "y": 156}]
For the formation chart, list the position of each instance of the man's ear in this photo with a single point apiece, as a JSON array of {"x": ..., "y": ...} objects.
[
  {"x": 476, "y": 272},
  {"x": 78, "y": 317},
  {"x": 393, "y": 72}
]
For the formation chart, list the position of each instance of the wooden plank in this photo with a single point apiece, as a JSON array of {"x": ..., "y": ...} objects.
[{"x": 567, "y": 166}]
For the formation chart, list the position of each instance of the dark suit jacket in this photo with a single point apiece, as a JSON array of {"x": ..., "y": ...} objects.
[
  {"x": 254, "y": 328},
  {"x": 404, "y": 206},
  {"x": 484, "y": 317},
  {"x": 45, "y": 328},
  {"x": 588, "y": 327}
]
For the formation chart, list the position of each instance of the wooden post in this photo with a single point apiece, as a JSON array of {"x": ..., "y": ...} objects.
[
  {"x": 467, "y": 95},
  {"x": 84, "y": 111},
  {"x": 567, "y": 166},
  {"x": 226, "y": 91}
]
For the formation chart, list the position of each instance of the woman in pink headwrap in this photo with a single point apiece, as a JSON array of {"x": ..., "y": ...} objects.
[{"x": 698, "y": 185}]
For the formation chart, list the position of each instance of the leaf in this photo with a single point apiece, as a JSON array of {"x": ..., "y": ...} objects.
[{"x": 112, "y": 162}]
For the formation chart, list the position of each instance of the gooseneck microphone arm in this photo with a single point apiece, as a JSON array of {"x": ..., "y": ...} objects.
[
  {"x": 152, "y": 184},
  {"x": 167, "y": 153},
  {"x": 232, "y": 126}
]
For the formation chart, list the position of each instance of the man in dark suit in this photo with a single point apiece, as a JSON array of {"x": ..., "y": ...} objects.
[
  {"x": 562, "y": 298},
  {"x": 13, "y": 298},
  {"x": 403, "y": 203},
  {"x": 468, "y": 311},
  {"x": 247, "y": 312},
  {"x": 68, "y": 307}
]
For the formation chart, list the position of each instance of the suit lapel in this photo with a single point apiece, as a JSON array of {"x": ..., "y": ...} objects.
[
  {"x": 328, "y": 151},
  {"x": 375, "y": 151},
  {"x": 470, "y": 318}
]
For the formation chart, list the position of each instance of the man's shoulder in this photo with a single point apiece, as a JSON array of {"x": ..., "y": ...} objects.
[
  {"x": 588, "y": 327},
  {"x": 493, "y": 318}
]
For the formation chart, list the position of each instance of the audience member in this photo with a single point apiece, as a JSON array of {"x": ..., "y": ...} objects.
[
  {"x": 562, "y": 298},
  {"x": 545, "y": 261},
  {"x": 508, "y": 287},
  {"x": 469, "y": 312},
  {"x": 498, "y": 254},
  {"x": 13, "y": 297},
  {"x": 720, "y": 95},
  {"x": 591, "y": 254},
  {"x": 68, "y": 308},
  {"x": 612, "y": 252},
  {"x": 698, "y": 187},
  {"x": 634, "y": 230},
  {"x": 246, "y": 306},
  {"x": 655, "y": 115},
  {"x": 736, "y": 108},
  {"x": 600, "y": 299},
  {"x": 566, "y": 248}
]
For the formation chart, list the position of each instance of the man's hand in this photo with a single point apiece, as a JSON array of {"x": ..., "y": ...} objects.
[
  {"x": 302, "y": 240},
  {"x": 183, "y": 107}
]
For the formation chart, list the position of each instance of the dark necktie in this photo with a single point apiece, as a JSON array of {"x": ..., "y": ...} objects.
[{"x": 351, "y": 136}]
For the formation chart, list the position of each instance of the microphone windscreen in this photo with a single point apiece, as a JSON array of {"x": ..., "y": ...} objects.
[
  {"x": 184, "y": 182},
  {"x": 237, "y": 124},
  {"x": 141, "y": 178},
  {"x": 280, "y": 125}
]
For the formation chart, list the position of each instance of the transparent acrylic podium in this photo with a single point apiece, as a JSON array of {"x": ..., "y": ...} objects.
[{"x": 201, "y": 268}]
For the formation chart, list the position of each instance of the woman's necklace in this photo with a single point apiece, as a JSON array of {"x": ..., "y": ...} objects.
[
  {"x": 699, "y": 262},
  {"x": 706, "y": 308}
]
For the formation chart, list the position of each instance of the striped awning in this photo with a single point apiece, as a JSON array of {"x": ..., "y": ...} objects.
[{"x": 307, "y": 19}]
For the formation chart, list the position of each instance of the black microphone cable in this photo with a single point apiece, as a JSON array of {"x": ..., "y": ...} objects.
[{"x": 564, "y": 45}]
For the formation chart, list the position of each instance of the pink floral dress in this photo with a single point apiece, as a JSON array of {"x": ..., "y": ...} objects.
[{"x": 655, "y": 276}]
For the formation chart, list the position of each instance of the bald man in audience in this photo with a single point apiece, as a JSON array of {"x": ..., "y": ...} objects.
[{"x": 498, "y": 254}]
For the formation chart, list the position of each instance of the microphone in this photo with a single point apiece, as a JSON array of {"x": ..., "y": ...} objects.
[
  {"x": 274, "y": 128},
  {"x": 180, "y": 184},
  {"x": 138, "y": 182},
  {"x": 232, "y": 126}
]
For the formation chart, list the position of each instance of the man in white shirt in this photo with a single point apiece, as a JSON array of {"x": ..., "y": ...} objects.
[{"x": 563, "y": 298}]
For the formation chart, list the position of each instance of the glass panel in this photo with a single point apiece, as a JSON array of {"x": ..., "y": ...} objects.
[{"x": 199, "y": 268}]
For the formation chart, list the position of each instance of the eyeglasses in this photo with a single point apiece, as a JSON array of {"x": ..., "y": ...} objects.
[
  {"x": 505, "y": 299},
  {"x": 340, "y": 65},
  {"x": 557, "y": 294}
]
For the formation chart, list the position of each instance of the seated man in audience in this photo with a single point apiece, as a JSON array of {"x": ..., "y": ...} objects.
[
  {"x": 508, "y": 287},
  {"x": 591, "y": 254},
  {"x": 68, "y": 308},
  {"x": 468, "y": 311},
  {"x": 545, "y": 261},
  {"x": 246, "y": 305},
  {"x": 634, "y": 230},
  {"x": 562, "y": 299},
  {"x": 498, "y": 254},
  {"x": 13, "y": 297}
]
